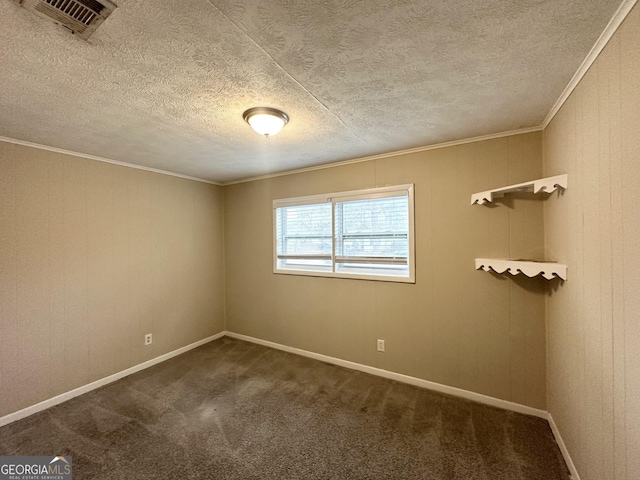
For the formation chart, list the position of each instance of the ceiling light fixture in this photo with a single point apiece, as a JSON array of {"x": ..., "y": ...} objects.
[{"x": 265, "y": 121}]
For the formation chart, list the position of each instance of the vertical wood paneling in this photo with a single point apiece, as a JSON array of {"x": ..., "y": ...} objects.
[
  {"x": 593, "y": 326},
  {"x": 181, "y": 226},
  {"x": 210, "y": 206},
  {"x": 577, "y": 315},
  {"x": 469, "y": 328},
  {"x": 629, "y": 74},
  {"x": 559, "y": 150},
  {"x": 135, "y": 295},
  {"x": 604, "y": 186},
  {"x": 424, "y": 340},
  {"x": 574, "y": 290},
  {"x": 161, "y": 270},
  {"x": 76, "y": 349},
  {"x": 57, "y": 333},
  {"x": 535, "y": 366},
  {"x": 483, "y": 287},
  {"x": 32, "y": 279},
  {"x": 614, "y": 159},
  {"x": 123, "y": 318},
  {"x": 497, "y": 158},
  {"x": 445, "y": 276},
  {"x": 143, "y": 254},
  {"x": 164, "y": 270},
  {"x": 78, "y": 282},
  {"x": 592, "y": 274},
  {"x": 517, "y": 289},
  {"x": 8, "y": 292},
  {"x": 100, "y": 268}
]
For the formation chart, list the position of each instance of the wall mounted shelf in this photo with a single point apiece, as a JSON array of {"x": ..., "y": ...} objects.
[
  {"x": 530, "y": 268},
  {"x": 547, "y": 185}
]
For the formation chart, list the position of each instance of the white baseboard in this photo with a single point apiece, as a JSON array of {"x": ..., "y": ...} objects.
[
  {"x": 563, "y": 448},
  {"x": 458, "y": 392},
  {"x": 438, "y": 387},
  {"x": 38, "y": 407}
]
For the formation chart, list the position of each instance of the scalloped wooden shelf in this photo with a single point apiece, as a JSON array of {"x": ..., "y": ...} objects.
[
  {"x": 547, "y": 185},
  {"x": 530, "y": 268}
]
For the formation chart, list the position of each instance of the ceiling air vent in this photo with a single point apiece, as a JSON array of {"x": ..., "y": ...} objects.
[{"x": 82, "y": 17}]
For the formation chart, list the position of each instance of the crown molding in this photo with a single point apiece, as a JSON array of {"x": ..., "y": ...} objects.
[
  {"x": 103, "y": 159},
  {"x": 611, "y": 28},
  {"x": 285, "y": 172},
  {"x": 387, "y": 155}
]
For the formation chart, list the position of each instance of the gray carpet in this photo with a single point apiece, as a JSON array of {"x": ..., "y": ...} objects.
[{"x": 234, "y": 410}]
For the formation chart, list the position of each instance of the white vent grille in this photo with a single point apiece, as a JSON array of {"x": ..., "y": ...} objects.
[{"x": 82, "y": 17}]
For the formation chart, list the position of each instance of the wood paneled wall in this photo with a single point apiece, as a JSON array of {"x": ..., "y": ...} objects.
[
  {"x": 92, "y": 257},
  {"x": 594, "y": 319},
  {"x": 456, "y": 326}
]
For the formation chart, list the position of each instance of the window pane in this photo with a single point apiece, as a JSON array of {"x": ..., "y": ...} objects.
[
  {"x": 304, "y": 230},
  {"x": 373, "y": 228}
]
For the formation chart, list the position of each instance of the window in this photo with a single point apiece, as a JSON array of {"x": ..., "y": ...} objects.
[{"x": 365, "y": 234}]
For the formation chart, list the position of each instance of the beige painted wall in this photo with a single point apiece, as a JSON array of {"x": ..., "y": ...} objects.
[
  {"x": 594, "y": 319},
  {"x": 92, "y": 257},
  {"x": 455, "y": 326}
]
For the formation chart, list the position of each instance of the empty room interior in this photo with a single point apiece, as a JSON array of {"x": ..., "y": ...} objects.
[{"x": 321, "y": 239}]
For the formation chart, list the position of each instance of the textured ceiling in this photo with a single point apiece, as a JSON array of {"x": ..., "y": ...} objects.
[{"x": 163, "y": 83}]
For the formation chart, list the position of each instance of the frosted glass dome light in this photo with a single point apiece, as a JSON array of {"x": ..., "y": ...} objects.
[{"x": 265, "y": 121}]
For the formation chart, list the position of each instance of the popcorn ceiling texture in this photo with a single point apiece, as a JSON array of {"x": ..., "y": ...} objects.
[{"x": 164, "y": 83}]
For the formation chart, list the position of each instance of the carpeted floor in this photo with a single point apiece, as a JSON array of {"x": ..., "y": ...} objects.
[{"x": 234, "y": 410}]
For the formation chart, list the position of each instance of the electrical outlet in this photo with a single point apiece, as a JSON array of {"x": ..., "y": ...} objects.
[
  {"x": 380, "y": 345},
  {"x": 148, "y": 339}
]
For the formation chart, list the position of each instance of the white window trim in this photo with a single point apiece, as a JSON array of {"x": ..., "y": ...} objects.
[{"x": 364, "y": 194}]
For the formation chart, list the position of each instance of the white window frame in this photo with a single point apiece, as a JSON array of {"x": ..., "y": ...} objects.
[{"x": 336, "y": 197}]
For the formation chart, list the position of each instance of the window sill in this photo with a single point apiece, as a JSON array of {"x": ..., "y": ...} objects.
[{"x": 345, "y": 275}]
